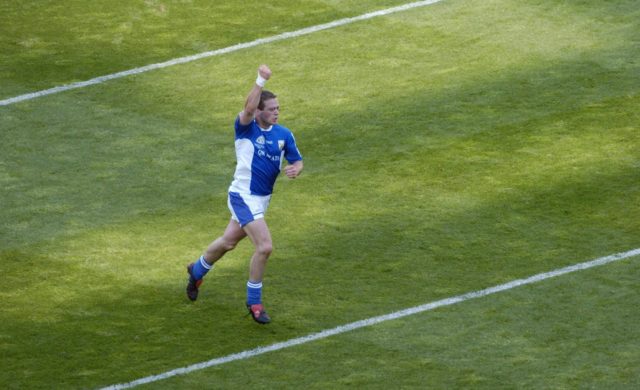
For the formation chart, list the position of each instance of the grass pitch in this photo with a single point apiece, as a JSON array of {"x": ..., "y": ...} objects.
[{"x": 447, "y": 149}]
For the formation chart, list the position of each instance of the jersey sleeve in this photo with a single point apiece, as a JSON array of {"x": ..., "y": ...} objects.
[
  {"x": 240, "y": 128},
  {"x": 291, "y": 152}
]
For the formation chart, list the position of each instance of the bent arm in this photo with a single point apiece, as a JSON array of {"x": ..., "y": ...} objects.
[
  {"x": 253, "y": 100},
  {"x": 293, "y": 170}
]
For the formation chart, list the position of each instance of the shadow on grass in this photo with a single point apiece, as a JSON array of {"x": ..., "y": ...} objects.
[
  {"x": 80, "y": 173},
  {"x": 63, "y": 43},
  {"x": 132, "y": 312},
  {"x": 83, "y": 166}
]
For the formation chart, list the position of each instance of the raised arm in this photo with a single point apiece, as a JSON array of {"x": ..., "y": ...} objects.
[{"x": 251, "y": 104}]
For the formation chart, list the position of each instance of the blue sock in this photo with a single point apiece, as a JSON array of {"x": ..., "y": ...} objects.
[
  {"x": 254, "y": 293},
  {"x": 200, "y": 268}
]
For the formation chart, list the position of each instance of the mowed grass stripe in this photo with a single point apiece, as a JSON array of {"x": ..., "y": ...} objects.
[
  {"x": 207, "y": 54},
  {"x": 376, "y": 320},
  {"x": 502, "y": 191}
]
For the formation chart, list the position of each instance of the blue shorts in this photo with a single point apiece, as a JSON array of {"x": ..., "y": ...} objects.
[{"x": 246, "y": 208}]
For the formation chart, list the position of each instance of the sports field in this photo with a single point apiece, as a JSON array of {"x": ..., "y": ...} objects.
[{"x": 450, "y": 147}]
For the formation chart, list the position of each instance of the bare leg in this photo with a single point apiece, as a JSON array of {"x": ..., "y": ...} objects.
[
  {"x": 223, "y": 244},
  {"x": 258, "y": 232},
  {"x": 260, "y": 236}
]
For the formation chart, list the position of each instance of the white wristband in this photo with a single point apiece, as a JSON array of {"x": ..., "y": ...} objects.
[{"x": 261, "y": 80}]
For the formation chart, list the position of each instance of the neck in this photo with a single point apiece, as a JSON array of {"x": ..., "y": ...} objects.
[{"x": 263, "y": 125}]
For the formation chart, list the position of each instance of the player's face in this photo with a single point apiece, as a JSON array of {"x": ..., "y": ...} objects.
[{"x": 269, "y": 114}]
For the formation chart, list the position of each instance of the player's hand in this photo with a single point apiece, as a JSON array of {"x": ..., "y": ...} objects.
[
  {"x": 292, "y": 171},
  {"x": 264, "y": 72}
]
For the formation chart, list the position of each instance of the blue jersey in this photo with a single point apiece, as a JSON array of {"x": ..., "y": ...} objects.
[{"x": 259, "y": 155}]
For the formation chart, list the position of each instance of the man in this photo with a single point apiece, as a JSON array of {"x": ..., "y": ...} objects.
[{"x": 261, "y": 145}]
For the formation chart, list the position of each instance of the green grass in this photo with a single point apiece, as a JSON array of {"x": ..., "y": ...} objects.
[
  {"x": 552, "y": 335},
  {"x": 447, "y": 149},
  {"x": 66, "y": 41}
]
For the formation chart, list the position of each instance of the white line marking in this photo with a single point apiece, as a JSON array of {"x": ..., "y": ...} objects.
[
  {"x": 229, "y": 49},
  {"x": 376, "y": 320}
]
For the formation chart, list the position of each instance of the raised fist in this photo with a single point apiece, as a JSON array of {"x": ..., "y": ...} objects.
[{"x": 264, "y": 72}]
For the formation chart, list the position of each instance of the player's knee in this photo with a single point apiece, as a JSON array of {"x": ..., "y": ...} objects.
[
  {"x": 265, "y": 248},
  {"x": 229, "y": 245},
  {"x": 224, "y": 244}
]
